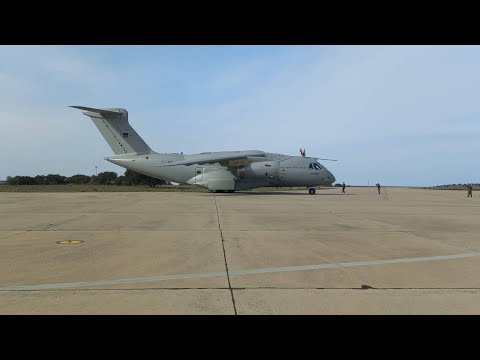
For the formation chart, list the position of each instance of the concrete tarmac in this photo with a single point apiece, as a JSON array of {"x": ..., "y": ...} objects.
[{"x": 405, "y": 251}]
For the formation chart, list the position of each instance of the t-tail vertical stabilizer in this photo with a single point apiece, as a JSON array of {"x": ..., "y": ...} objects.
[{"x": 113, "y": 125}]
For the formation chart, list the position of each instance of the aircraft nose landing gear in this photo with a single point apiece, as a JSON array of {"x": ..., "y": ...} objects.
[{"x": 311, "y": 191}]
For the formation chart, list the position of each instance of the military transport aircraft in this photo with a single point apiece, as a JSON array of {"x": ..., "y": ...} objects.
[{"x": 224, "y": 171}]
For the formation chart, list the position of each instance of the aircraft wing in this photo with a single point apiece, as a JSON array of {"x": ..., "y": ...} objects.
[{"x": 212, "y": 159}]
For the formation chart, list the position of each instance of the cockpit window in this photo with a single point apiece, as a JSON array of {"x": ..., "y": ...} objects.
[
  {"x": 318, "y": 167},
  {"x": 311, "y": 166}
]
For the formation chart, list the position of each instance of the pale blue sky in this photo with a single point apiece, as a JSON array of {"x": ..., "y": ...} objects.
[{"x": 398, "y": 115}]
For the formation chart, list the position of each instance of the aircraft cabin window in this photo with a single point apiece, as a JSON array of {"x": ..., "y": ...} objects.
[
  {"x": 317, "y": 166},
  {"x": 199, "y": 171},
  {"x": 311, "y": 166}
]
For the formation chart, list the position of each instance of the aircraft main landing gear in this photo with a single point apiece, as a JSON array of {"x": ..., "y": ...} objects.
[{"x": 311, "y": 191}]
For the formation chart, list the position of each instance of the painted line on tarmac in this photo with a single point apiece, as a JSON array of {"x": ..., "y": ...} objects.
[
  {"x": 145, "y": 279},
  {"x": 112, "y": 282},
  {"x": 348, "y": 264}
]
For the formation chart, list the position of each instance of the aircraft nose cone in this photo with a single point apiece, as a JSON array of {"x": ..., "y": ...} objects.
[{"x": 330, "y": 177}]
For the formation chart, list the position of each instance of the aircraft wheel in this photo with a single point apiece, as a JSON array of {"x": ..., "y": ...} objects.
[{"x": 311, "y": 191}]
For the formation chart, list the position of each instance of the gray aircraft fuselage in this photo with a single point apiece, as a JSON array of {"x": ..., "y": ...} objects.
[
  {"x": 292, "y": 170},
  {"x": 216, "y": 171}
]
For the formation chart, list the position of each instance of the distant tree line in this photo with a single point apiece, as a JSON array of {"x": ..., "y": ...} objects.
[
  {"x": 130, "y": 178},
  {"x": 455, "y": 186}
]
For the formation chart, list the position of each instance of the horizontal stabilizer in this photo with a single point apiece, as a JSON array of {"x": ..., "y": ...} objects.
[{"x": 98, "y": 111}]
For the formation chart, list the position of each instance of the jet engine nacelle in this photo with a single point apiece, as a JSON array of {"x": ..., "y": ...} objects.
[{"x": 261, "y": 169}]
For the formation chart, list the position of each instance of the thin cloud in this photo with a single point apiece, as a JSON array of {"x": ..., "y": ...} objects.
[{"x": 361, "y": 104}]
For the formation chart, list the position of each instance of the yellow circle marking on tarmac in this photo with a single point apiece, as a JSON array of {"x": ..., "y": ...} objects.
[{"x": 69, "y": 242}]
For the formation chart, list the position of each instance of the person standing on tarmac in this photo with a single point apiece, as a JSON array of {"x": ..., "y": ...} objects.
[
  {"x": 378, "y": 187},
  {"x": 343, "y": 188},
  {"x": 469, "y": 190}
]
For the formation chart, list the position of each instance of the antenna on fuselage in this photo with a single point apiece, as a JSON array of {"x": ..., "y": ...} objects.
[{"x": 302, "y": 152}]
